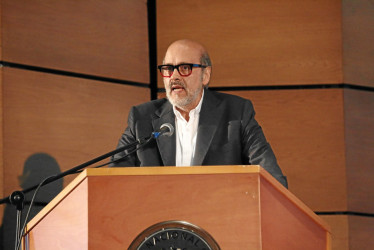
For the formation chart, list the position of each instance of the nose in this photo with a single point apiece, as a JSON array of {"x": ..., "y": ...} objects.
[{"x": 175, "y": 74}]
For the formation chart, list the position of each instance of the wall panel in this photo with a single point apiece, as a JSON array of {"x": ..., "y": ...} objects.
[
  {"x": 361, "y": 233},
  {"x": 306, "y": 131},
  {"x": 351, "y": 232},
  {"x": 339, "y": 231},
  {"x": 259, "y": 42},
  {"x": 74, "y": 120},
  {"x": 359, "y": 122},
  {"x": 358, "y": 42},
  {"x": 104, "y": 38}
]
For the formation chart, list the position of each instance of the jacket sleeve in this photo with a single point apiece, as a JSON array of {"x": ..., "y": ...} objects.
[
  {"x": 128, "y": 137},
  {"x": 256, "y": 149}
]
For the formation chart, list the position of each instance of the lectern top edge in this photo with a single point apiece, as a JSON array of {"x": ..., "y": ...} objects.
[{"x": 174, "y": 170}]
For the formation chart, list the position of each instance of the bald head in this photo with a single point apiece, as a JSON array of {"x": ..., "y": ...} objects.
[{"x": 186, "y": 46}]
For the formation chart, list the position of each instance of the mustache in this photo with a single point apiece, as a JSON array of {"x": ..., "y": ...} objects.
[{"x": 178, "y": 83}]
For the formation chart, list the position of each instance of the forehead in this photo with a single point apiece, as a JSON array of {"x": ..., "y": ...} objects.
[{"x": 181, "y": 53}]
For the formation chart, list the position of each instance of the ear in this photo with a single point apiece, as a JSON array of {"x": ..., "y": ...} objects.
[{"x": 206, "y": 75}]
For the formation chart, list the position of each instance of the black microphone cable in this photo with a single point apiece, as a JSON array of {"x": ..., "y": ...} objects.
[
  {"x": 21, "y": 234},
  {"x": 123, "y": 157}
]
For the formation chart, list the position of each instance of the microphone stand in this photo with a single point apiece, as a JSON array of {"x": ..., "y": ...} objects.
[
  {"x": 17, "y": 197},
  {"x": 74, "y": 170}
]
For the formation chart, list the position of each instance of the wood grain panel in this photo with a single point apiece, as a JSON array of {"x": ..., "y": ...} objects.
[
  {"x": 359, "y": 120},
  {"x": 105, "y": 38},
  {"x": 213, "y": 202},
  {"x": 259, "y": 42},
  {"x": 339, "y": 231},
  {"x": 293, "y": 230},
  {"x": 306, "y": 131},
  {"x": 358, "y": 42},
  {"x": 73, "y": 120},
  {"x": 78, "y": 220},
  {"x": 226, "y": 201},
  {"x": 199, "y": 202},
  {"x": 361, "y": 233},
  {"x": 351, "y": 232}
]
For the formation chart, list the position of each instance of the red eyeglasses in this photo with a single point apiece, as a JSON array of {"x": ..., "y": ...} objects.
[{"x": 184, "y": 69}]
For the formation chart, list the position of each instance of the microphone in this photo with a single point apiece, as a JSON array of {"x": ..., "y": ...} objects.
[{"x": 166, "y": 129}]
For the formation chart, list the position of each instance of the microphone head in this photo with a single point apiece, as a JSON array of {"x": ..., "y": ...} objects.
[{"x": 167, "y": 129}]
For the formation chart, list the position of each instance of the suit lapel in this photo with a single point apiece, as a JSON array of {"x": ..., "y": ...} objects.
[
  {"x": 210, "y": 115},
  {"x": 166, "y": 144}
]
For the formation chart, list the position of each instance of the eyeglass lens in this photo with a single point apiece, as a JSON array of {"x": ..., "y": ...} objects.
[{"x": 183, "y": 69}]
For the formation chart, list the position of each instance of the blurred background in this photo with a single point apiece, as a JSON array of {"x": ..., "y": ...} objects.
[{"x": 71, "y": 70}]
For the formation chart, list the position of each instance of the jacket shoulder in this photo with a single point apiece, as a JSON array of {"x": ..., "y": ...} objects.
[
  {"x": 152, "y": 107},
  {"x": 231, "y": 100}
]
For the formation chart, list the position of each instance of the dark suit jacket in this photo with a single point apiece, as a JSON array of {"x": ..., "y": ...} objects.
[{"x": 228, "y": 134}]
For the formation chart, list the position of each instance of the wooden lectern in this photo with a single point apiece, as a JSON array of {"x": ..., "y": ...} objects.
[{"x": 240, "y": 207}]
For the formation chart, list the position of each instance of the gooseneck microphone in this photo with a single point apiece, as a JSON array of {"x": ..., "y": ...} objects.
[{"x": 165, "y": 129}]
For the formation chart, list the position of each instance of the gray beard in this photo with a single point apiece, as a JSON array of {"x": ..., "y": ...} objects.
[{"x": 183, "y": 102}]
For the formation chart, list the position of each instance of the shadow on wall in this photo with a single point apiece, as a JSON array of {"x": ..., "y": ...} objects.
[{"x": 37, "y": 167}]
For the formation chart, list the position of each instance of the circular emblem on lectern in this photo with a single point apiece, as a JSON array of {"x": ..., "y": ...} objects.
[{"x": 174, "y": 235}]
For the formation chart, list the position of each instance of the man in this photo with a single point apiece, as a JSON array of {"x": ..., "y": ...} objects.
[{"x": 211, "y": 128}]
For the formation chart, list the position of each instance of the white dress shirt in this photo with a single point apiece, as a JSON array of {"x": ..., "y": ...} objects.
[{"x": 186, "y": 134}]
